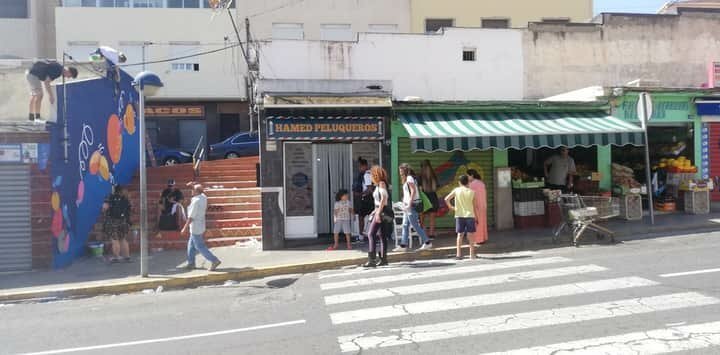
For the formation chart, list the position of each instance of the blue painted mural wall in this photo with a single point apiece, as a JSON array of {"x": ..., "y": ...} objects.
[{"x": 102, "y": 151}]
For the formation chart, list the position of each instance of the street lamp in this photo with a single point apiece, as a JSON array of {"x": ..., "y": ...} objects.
[{"x": 147, "y": 84}]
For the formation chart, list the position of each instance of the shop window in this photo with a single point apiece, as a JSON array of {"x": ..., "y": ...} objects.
[
  {"x": 191, "y": 64},
  {"x": 185, "y": 67},
  {"x": 468, "y": 54},
  {"x": 495, "y": 23},
  {"x": 434, "y": 25},
  {"x": 148, "y": 3},
  {"x": 14, "y": 9}
]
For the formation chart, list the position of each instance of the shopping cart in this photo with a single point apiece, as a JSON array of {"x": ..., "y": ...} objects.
[{"x": 580, "y": 213}]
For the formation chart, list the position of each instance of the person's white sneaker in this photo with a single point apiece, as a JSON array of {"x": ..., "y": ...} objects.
[
  {"x": 400, "y": 249},
  {"x": 426, "y": 246}
]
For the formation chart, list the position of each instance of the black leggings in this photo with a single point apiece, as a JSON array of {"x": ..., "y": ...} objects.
[{"x": 379, "y": 230}]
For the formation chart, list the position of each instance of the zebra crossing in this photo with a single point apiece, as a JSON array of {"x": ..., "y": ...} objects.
[{"x": 410, "y": 310}]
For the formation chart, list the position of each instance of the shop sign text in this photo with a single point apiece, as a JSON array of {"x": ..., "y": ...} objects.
[{"x": 325, "y": 128}]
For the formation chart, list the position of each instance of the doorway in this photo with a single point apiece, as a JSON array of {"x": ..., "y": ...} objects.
[{"x": 333, "y": 171}]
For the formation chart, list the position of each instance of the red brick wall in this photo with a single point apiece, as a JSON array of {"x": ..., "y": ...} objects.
[{"x": 40, "y": 218}]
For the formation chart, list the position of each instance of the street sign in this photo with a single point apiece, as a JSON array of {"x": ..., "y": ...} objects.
[
  {"x": 644, "y": 108},
  {"x": 644, "y": 111}
]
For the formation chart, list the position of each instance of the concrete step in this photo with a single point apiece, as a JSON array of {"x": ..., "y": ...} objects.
[
  {"x": 234, "y": 192},
  {"x": 242, "y": 199},
  {"x": 234, "y": 223},
  {"x": 210, "y": 242},
  {"x": 234, "y": 232}
]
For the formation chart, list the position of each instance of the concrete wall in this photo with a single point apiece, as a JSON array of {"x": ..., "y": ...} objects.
[
  {"x": 674, "y": 50},
  {"x": 312, "y": 13},
  {"x": 30, "y": 37},
  {"x": 427, "y": 66},
  {"x": 469, "y": 13},
  {"x": 221, "y": 74}
]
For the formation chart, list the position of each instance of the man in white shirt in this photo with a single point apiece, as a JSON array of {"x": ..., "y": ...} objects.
[
  {"x": 196, "y": 224},
  {"x": 560, "y": 170}
]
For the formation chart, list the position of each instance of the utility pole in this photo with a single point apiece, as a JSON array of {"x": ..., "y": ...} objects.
[{"x": 251, "y": 70}]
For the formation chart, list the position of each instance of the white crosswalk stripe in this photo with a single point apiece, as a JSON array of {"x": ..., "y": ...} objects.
[
  {"x": 449, "y": 330},
  {"x": 440, "y": 273},
  {"x": 421, "y": 321},
  {"x": 657, "y": 341},
  {"x": 458, "y": 284},
  {"x": 488, "y": 299}
]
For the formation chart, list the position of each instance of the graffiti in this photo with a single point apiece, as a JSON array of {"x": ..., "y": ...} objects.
[
  {"x": 87, "y": 139},
  {"x": 103, "y": 137}
]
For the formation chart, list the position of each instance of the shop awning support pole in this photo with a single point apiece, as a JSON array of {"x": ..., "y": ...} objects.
[{"x": 644, "y": 112}]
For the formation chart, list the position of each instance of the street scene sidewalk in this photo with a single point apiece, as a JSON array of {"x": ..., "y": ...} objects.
[{"x": 94, "y": 276}]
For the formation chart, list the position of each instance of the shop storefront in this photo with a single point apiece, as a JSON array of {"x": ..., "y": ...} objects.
[
  {"x": 509, "y": 145},
  {"x": 708, "y": 109},
  {"x": 310, "y": 144},
  {"x": 675, "y": 143}
]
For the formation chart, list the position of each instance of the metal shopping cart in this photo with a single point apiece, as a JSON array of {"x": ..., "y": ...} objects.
[{"x": 580, "y": 213}]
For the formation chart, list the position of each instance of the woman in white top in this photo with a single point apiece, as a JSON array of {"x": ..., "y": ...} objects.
[
  {"x": 382, "y": 219},
  {"x": 412, "y": 206}
]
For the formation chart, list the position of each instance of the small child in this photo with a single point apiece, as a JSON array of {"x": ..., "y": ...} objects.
[{"x": 342, "y": 213}]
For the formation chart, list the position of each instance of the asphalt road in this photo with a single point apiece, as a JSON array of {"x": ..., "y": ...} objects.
[{"x": 647, "y": 296}]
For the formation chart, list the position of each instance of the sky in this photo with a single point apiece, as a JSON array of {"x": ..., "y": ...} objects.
[{"x": 637, "y": 6}]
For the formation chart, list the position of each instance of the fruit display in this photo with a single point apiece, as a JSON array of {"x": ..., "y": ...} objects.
[
  {"x": 676, "y": 165},
  {"x": 624, "y": 176}
]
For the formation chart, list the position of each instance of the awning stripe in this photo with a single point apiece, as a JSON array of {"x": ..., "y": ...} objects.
[{"x": 502, "y": 130}]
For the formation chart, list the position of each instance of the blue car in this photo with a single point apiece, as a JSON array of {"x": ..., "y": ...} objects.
[
  {"x": 240, "y": 144},
  {"x": 169, "y": 156}
]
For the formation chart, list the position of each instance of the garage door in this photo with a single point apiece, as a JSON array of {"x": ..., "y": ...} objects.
[{"x": 15, "y": 242}]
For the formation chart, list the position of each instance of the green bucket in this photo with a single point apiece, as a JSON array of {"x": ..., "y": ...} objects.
[{"x": 97, "y": 249}]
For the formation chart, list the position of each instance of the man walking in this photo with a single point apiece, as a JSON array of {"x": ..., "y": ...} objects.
[
  {"x": 43, "y": 73},
  {"x": 196, "y": 224}
]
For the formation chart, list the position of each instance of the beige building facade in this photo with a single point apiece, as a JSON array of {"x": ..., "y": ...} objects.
[
  {"x": 428, "y": 15},
  {"x": 27, "y": 29}
]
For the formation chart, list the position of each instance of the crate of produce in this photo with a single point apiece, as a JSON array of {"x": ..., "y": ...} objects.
[
  {"x": 529, "y": 208},
  {"x": 529, "y": 222},
  {"x": 696, "y": 202},
  {"x": 631, "y": 207},
  {"x": 519, "y": 184}
]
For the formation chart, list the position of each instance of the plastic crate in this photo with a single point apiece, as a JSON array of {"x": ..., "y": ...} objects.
[
  {"x": 529, "y": 208},
  {"x": 696, "y": 202},
  {"x": 631, "y": 207}
]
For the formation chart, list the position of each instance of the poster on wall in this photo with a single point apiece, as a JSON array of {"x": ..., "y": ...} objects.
[
  {"x": 102, "y": 151},
  {"x": 448, "y": 174},
  {"x": 29, "y": 153},
  {"x": 298, "y": 179},
  {"x": 10, "y": 153}
]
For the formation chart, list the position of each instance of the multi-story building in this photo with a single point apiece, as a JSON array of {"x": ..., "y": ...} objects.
[
  {"x": 205, "y": 96},
  {"x": 431, "y": 15}
]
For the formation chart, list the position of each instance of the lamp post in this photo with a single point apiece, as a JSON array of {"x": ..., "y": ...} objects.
[{"x": 147, "y": 84}]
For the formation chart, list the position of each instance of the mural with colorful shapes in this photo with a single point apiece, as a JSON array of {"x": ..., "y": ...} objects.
[{"x": 102, "y": 151}]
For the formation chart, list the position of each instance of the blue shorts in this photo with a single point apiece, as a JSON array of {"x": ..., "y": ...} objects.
[{"x": 465, "y": 225}]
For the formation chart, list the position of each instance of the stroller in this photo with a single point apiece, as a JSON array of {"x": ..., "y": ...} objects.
[{"x": 581, "y": 213}]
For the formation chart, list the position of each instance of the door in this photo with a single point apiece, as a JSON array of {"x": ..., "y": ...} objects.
[
  {"x": 299, "y": 187},
  {"x": 333, "y": 172},
  {"x": 190, "y": 132},
  {"x": 15, "y": 237}
]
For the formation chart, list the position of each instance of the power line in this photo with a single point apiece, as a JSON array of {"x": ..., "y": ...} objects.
[{"x": 185, "y": 56}]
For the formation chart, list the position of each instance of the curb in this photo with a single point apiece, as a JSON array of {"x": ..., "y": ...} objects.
[{"x": 168, "y": 283}]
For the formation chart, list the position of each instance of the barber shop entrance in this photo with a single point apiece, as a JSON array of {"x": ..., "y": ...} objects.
[{"x": 313, "y": 174}]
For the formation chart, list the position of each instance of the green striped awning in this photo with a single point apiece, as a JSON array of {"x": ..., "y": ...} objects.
[{"x": 447, "y": 132}]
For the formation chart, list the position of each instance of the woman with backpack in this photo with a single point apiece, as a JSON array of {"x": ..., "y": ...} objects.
[
  {"x": 117, "y": 224},
  {"x": 412, "y": 206}
]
